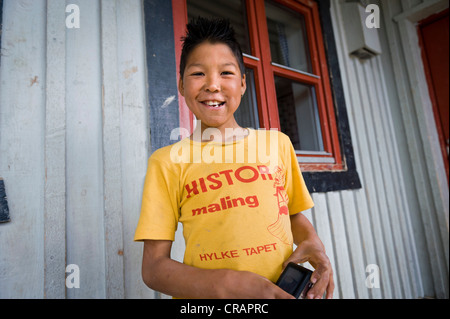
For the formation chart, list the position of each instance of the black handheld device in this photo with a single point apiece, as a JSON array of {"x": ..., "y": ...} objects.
[{"x": 295, "y": 280}]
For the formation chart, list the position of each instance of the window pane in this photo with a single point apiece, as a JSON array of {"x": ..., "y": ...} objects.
[
  {"x": 287, "y": 36},
  {"x": 299, "y": 117},
  {"x": 247, "y": 113},
  {"x": 234, "y": 10}
]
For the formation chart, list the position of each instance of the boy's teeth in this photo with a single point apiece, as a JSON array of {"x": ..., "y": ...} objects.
[{"x": 213, "y": 103}]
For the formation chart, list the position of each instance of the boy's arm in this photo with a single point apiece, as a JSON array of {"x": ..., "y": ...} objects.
[
  {"x": 168, "y": 276},
  {"x": 310, "y": 248}
]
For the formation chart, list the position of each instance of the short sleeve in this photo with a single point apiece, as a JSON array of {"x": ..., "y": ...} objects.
[
  {"x": 298, "y": 194},
  {"x": 160, "y": 203}
]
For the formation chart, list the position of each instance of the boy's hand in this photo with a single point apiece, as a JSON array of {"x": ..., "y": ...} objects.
[
  {"x": 248, "y": 285},
  {"x": 322, "y": 277},
  {"x": 311, "y": 249},
  {"x": 171, "y": 277}
]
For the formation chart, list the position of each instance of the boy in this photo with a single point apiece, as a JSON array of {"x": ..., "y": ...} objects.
[{"x": 240, "y": 214}]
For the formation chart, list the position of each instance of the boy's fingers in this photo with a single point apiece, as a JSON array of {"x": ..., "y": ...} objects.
[
  {"x": 330, "y": 288},
  {"x": 323, "y": 282}
]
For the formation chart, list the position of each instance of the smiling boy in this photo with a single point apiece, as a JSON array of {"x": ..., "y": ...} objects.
[{"x": 240, "y": 218}]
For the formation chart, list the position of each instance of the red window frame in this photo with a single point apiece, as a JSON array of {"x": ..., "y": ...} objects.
[{"x": 264, "y": 73}]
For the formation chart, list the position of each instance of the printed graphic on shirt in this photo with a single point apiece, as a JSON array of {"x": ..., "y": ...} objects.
[
  {"x": 278, "y": 222},
  {"x": 281, "y": 228},
  {"x": 236, "y": 253},
  {"x": 214, "y": 181}
]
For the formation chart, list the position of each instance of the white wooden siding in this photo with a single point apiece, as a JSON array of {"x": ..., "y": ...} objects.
[
  {"x": 22, "y": 128},
  {"x": 385, "y": 232},
  {"x": 423, "y": 166},
  {"x": 74, "y": 141},
  {"x": 74, "y": 148},
  {"x": 55, "y": 154}
]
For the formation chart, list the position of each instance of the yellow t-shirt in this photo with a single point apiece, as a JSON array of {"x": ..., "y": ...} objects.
[{"x": 233, "y": 199}]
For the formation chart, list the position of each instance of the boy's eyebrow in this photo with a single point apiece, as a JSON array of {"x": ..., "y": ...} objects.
[
  {"x": 223, "y": 64},
  {"x": 229, "y": 63}
]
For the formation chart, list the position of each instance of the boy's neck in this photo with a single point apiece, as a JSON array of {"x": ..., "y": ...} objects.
[{"x": 214, "y": 134}]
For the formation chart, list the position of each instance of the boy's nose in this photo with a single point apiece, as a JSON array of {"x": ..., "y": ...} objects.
[{"x": 212, "y": 84}]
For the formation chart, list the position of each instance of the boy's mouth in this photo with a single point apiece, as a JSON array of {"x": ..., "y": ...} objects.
[{"x": 213, "y": 103}]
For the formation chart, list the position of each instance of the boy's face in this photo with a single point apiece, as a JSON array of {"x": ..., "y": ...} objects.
[{"x": 212, "y": 85}]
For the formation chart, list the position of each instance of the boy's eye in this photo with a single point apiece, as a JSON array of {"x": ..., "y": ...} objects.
[
  {"x": 197, "y": 74},
  {"x": 227, "y": 73}
]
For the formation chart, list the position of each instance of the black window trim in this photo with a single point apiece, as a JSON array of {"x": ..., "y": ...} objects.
[{"x": 328, "y": 181}]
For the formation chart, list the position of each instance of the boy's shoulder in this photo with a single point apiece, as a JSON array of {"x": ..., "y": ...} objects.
[
  {"x": 274, "y": 134},
  {"x": 171, "y": 155},
  {"x": 163, "y": 153}
]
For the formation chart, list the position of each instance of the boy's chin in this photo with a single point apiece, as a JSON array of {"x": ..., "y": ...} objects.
[
  {"x": 217, "y": 125},
  {"x": 212, "y": 123}
]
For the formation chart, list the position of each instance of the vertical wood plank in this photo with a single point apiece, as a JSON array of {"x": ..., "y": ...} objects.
[
  {"x": 356, "y": 255},
  {"x": 112, "y": 163},
  {"x": 84, "y": 153},
  {"x": 134, "y": 136},
  {"x": 322, "y": 225},
  {"x": 55, "y": 153},
  {"x": 340, "y": 241},
  {"x": 22, "y": 126}
]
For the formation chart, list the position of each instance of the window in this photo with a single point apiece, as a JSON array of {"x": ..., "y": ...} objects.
[
  {"x": 287, "y": 79},
  {"x": 293, "y": 78}
]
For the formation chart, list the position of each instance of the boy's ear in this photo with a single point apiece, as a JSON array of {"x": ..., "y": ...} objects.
[
  {"x": 181, "y": 86},
  {"x": 243, "y": 85}
]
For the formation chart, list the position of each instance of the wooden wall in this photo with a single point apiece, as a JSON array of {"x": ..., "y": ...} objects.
[
  {"x": 399, "y": 219},
  {"x": 74, "y": 141},
  {"x": 425, "y": 181}
]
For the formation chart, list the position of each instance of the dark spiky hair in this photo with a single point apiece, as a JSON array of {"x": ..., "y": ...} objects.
[{"x": 214, "y": 31}]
